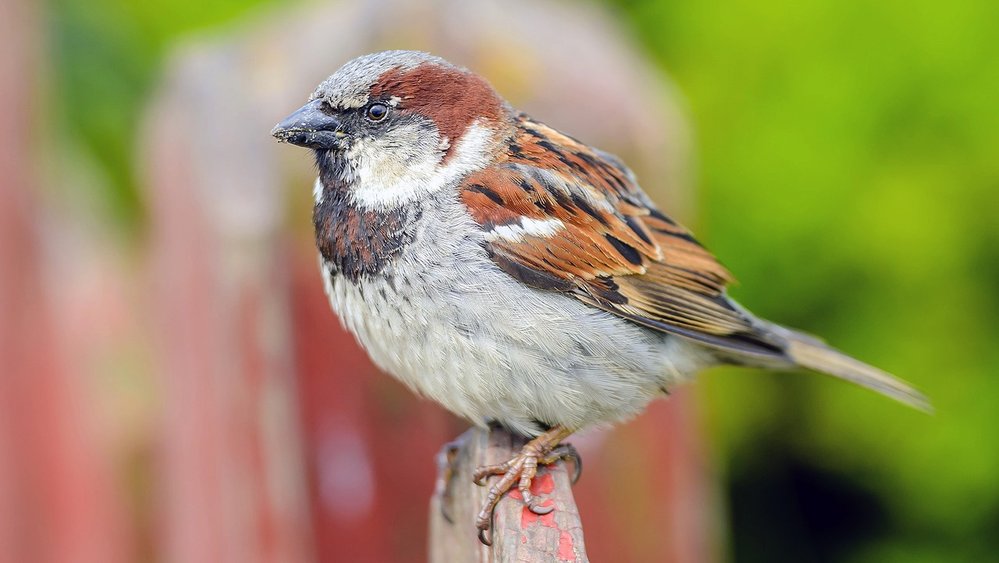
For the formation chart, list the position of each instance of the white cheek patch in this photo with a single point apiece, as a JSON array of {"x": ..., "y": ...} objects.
[
  {"x": 384, "y": 185},
  {"x": 525, "y": 227}
]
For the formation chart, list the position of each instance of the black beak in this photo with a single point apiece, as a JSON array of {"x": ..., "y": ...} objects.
[{"x": 310, "y": 127}]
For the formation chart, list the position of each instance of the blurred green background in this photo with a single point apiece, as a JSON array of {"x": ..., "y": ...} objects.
[{"x": 848, "y": 173}]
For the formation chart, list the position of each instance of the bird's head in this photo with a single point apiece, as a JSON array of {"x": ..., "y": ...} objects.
[{"x": 393, "y": 126}]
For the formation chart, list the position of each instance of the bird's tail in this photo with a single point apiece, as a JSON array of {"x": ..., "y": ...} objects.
[{"x": 809, "y": 352}]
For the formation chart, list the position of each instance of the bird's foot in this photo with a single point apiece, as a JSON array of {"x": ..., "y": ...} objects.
[{"x": 521, "y": 469}]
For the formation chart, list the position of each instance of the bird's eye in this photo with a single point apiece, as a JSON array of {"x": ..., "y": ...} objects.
[{"x": 376, "y": 112}]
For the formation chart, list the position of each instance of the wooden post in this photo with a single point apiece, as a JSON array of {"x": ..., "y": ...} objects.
[{"x": 517, "y": 534}]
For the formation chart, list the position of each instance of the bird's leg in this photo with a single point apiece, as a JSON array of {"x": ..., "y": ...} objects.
[{"x": 520, "y": 470}]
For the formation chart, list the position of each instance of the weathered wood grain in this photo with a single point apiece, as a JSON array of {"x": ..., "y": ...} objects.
[{"x": 518, "y": 534}]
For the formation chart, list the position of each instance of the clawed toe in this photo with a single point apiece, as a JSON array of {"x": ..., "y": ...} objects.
[
  {"x": 484, "y": 536},
  {"x": 486, "y": 471},
  {"x": 520, "y": 471},
  {"x": 540, "y": 510},
  {"x": 568, "y": 453}
]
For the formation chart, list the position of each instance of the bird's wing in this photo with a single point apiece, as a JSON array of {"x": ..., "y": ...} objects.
[{"x": 562, "y": 216}]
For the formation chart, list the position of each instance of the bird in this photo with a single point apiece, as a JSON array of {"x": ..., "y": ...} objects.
[{"x": 512, "y": 273}]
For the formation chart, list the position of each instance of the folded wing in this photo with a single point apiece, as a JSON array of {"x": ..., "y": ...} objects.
[{"x": 563, "y": 216}]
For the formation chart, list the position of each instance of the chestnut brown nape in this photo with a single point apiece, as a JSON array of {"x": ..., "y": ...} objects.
[{"x": 451, "y": 97}]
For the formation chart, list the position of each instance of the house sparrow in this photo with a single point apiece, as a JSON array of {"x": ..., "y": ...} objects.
[{"x": 512, "y": 273}]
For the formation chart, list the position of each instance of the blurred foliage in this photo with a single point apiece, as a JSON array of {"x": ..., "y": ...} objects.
[
  {"x": 108, "y": 54},
  {"x": 849, "y": 174}
]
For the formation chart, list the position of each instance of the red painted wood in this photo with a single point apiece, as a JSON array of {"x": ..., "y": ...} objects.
[{"x": 517, "y": 534}]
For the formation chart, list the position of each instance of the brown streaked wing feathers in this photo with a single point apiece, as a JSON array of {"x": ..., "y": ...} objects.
[{"x": 615, "y": 250}]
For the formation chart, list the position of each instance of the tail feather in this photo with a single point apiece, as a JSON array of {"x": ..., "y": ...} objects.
[{"x": 813, "y": 354}]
